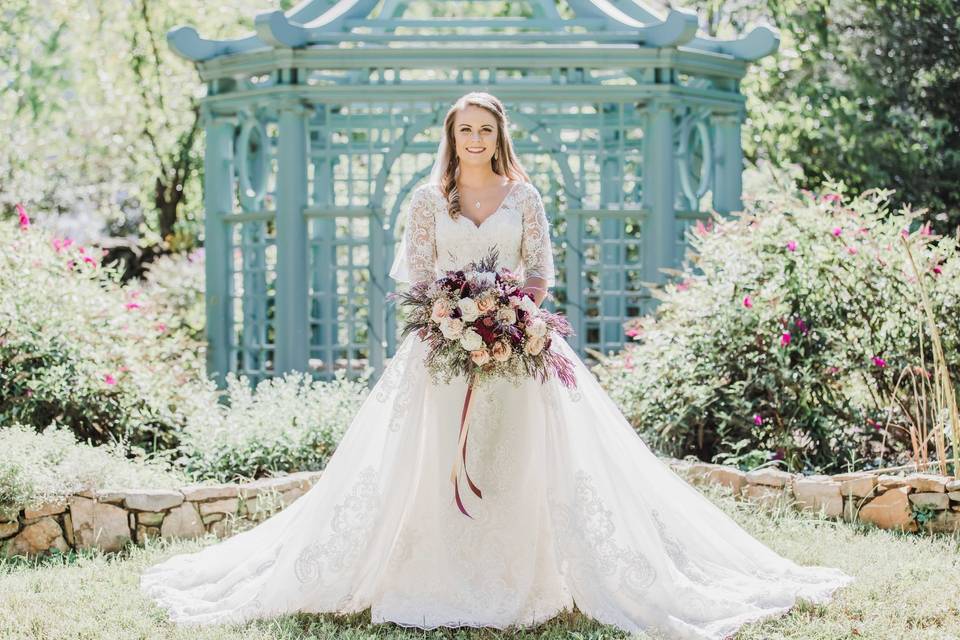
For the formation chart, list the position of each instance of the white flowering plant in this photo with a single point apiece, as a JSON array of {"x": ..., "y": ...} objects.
[{"x": 478, "y": 322}]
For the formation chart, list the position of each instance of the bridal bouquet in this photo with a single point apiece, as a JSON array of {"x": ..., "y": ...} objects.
[{"x": 479, "y": 322}]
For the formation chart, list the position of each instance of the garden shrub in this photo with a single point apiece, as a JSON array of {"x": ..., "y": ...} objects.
[
  {"x": 38, "y": 467},
  {"x": 78, "y": 348},
  {"x": 787, "y": 334},
  {"x": 175, "y": 284},
  {"x": 287, "y": 423}
]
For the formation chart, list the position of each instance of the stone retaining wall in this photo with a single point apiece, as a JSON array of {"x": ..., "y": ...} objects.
[
  {"x": 108, "y": 520},
  {"x": 915, "y": 502}
]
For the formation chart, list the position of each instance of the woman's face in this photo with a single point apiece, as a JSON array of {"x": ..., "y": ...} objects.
[{"x": 475, "y": 134}]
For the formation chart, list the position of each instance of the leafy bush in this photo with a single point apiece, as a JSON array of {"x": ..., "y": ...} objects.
[
  {"x": 38, "y": 467},
  {"x": 175, "y": 284},
  {"x": 78, "y": 348},
  {"x": 789, "y": 335},
  {"x": 287, "y": 423}
]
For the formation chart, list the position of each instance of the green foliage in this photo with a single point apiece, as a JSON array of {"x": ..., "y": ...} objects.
[
  {"x": 860, "y": 92},
  {"x": 287, "y": 423},
  {"x": 175, "y": 283},
  {"x": 38, "y": 467},
  {"x": 923, "y": 513},
  {"x": 776, "y": 349},
  {"x": 101, "y": 116},
  {"x": 78, "y": 348}
]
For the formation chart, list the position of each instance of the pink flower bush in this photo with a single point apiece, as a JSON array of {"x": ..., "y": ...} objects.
[
  {"x": 792, "y": 245},
  {"x": 880, "y": 362},
  {"x": 757, "y": 420},
  {"x": 837, "y": 231},
  {"x": 785, "y": 338},
  {"x": 747, "y": 302},
  {"x": 109, "y": 379}
]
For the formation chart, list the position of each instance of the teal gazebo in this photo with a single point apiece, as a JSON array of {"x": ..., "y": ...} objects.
[{"x": 320, "y": 124}]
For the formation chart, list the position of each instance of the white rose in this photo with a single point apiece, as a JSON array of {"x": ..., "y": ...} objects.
[
  {"x": 529, "y": 306},
  {"x": 534, "y": 345},
  {"x": 508, "y": 315},
  {"x": 537, "y": 327},
  {"x": 451, "y": 328},
  {"x": 471, "y": 340},
  {"x": 468, "y": 309}
]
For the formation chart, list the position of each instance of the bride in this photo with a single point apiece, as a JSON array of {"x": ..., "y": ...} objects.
[{"x": 575, "y": 509}]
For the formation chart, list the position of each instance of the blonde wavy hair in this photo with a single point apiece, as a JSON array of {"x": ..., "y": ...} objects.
[{"x": 504, "y": 162}]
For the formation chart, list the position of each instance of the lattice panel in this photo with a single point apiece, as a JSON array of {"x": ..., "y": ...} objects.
[
  {"x": 339, "y": 310},
  {"x": 611, "y": 263},
  {"x": 252, "y": 293}
]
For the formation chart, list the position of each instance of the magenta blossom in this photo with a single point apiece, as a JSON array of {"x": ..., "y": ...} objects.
[
  {"x": 109, "y": 379},
  {"x": 831, "y": 197},
  {"x": 880, "y": 362},
  {"x": 801, "y": 325},
  {"x": 632, "y": 333},
  {"x": 160, "y": 327},
  {"x": 785, "y": 339},
  {"x": 837, "y": 231},
  {"x": 24, "y": 218},
  {"x": 133, "y": 305},
  {"x": 60, "y": 245},
  {"x": 757, "y": 420},
  {"x": 937, "y": 270},
  {"x": 905, "y": 232},
  {"x": 747, "y": 302},
  {"x": 852, "y": 250},
  {"x": 792, "y": 245}
]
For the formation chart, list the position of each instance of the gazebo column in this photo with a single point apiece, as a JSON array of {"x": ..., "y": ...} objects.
[
  {"x": 659, "y": 177},
  {"x": 728, "y": 171},
  {"x": 291, "y": 336},
  {"x": 218, "y": 188}
]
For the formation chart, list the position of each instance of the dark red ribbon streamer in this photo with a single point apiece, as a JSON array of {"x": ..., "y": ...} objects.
[{"x": 462, "y": 453}]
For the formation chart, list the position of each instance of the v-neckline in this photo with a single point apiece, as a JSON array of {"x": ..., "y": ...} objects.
[{"x": 476, "y": 226}]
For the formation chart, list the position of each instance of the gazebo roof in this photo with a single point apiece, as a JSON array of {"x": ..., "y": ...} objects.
[{"x": 612, "y": 23}]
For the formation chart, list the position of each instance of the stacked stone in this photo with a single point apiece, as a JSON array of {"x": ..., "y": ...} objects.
[
  {"x": 108, "y": 519},
  {"x": 887, "y": 501}
]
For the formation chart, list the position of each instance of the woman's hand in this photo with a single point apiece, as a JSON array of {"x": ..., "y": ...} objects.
[{"x": 536, "y": 287}]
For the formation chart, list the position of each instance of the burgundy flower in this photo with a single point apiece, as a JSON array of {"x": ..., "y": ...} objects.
[{"x": 487, "y": 331}]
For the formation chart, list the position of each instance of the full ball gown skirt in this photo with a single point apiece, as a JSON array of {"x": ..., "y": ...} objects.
[{"x": 575, "y": 510}]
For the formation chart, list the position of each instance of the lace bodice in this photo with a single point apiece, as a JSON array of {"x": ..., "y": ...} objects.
[{"x": 434, "y": 242}]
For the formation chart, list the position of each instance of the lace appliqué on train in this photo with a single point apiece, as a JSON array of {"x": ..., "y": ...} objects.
[
  {"x": 585, "y": 540},
  {"x": 350, "y": 530}
]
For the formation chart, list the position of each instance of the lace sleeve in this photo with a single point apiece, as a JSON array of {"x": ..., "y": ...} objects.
[
  {"x": 419, "y": 247},
  {"x": 536, "y": 249}
]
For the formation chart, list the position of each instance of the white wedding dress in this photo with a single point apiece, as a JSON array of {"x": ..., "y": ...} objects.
[{"x": 576, "y": 510}]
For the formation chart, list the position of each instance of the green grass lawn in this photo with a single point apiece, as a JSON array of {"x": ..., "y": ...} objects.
[{"x": 907, "y": 588}]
